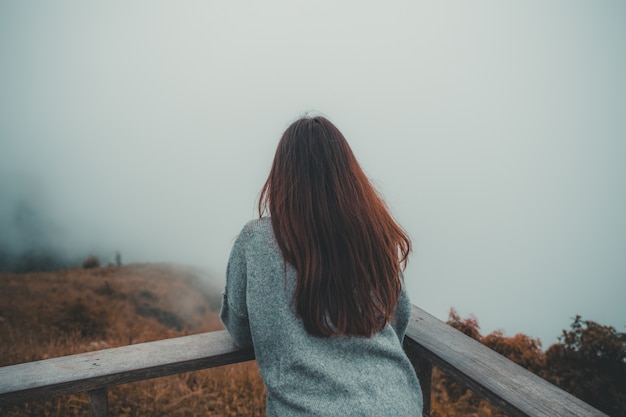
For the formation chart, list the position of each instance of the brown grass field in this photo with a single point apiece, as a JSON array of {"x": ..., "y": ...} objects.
[{"x": 45, "y": 315}]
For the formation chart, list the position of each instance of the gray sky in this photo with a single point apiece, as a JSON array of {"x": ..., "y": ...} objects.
[{"x": 495, "y": 130}]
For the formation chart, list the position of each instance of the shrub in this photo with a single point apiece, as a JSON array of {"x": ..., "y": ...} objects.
[
  {"x": 91, "y": 262},
  {"x": 590, "y": 363}
]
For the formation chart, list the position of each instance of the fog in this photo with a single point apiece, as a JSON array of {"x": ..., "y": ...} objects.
[{"x": 495, "y": 131}]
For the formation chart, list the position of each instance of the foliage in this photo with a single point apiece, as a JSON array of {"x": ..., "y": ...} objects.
[
  {"x": 91, "y": 262},
  {"x": 29, "y": 241},
  {"x": 468, "y": 326},
  {"x": 449, "y": 397},
  {"x": 521, "y": 349},
  {"x": 590, "y": 363},
  {"x": 33, "y": 260}
]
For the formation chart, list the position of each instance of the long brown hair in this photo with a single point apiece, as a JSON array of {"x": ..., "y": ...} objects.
[{"x": 335, "y": 230}]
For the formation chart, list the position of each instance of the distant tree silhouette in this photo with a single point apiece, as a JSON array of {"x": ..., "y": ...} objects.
[
  {"x": 38, "y": 260},
  {"x": 590, "y": 363},
  {"x": 5, "y": 260},
  {"x": 29, "y": 242}
]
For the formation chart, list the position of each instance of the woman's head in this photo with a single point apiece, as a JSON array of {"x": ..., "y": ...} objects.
[{"x": 335, "y": 230}]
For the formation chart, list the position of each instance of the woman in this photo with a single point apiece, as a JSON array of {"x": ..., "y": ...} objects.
[{"x": 316, "y": 289}]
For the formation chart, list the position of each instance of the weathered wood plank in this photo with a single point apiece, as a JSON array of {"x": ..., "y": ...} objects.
[
  {"x": 505, "y": 384},
  {"x": 98, "y": 403},
  {"x": 424, "y": 370},
  {"x": 94, "y": 370}
]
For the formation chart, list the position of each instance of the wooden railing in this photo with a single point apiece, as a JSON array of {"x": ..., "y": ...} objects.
[{"x": 428, "y": 342}]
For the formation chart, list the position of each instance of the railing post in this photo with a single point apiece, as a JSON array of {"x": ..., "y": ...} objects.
[
  {"x": 424, "y": 370},
  {"x": 98, "y": 402}
]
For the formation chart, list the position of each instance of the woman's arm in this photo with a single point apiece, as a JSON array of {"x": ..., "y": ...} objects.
[{"x": 234, "y": 312}]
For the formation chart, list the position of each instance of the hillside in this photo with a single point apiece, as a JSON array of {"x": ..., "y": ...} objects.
[{"x": 51, "y": 314}]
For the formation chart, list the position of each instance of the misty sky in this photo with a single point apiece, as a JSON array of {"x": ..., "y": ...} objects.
[{"x": 495, "y": 130}]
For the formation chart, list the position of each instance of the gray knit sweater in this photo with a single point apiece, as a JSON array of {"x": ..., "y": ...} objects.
[{"x": 307, "y": 375}]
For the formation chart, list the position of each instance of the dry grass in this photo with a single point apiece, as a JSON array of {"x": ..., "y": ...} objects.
[
  {"x": 45, "y": 315},
  {"x": 451, "y": 399}
]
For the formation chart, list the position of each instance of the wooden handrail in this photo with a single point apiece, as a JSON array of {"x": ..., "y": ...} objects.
[
  {"x": 428, "y": 342},
  {"x": 100, "y": 369},
  {"x": 505, "y": 384}
]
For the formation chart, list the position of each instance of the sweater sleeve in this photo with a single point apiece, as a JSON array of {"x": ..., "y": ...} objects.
[{"x": 234, "y": 311}]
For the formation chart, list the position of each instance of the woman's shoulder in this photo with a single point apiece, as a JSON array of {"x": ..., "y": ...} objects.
[
  {"x": 260, "y": 224},
  {"x": 260, "y": 227},
  {"x": 257, "y": 241}
]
